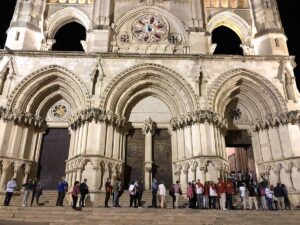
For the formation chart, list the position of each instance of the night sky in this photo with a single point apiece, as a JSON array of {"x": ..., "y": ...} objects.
[{"x": 289, "y": 10}]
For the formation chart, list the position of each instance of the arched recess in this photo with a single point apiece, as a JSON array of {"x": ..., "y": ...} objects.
[
  {"x": 146, "y": 80},
  {"x": 38, "y": 91},
  {"x": 176, "y": 24},
  {"x": 64, "y": 16},
  {"x": 232, "y": 21},
  {"x": 252, "y": 90}
]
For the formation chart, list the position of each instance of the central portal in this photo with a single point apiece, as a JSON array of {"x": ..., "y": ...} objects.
[{"x": 161, "y": 155}]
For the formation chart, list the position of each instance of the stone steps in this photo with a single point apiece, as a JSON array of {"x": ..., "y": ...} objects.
[{"x": 126, "y": 216}]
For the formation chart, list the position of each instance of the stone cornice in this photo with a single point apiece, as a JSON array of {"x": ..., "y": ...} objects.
[
  {"x": 110, "y": 55},
  {"x": 98, "y": 115},
  {"x": 200, "y": 116},
  {"x": 272, "y": 121},
  {"x": 21, "y": 117}
]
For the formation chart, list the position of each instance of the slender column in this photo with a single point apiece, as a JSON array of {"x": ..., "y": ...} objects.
[
  {"x": 277, "y": 172},
  {"x": 79, "y": 174},
  {"x": 78, "y": 150},
  {"x": 26, "y": 172},
  {"x": 177, "y": 175},
  {"x": 73, "y": 177},
  {"x": 5, "y": 167},
  {"x": 148, "y": 131},
  {"x": 39, "y": 146},
  {"x": 185, "y": 179},
  {"x": 194, "y": 172},
  {"x": 289, "y": 173},
  {"x": 202, "y": 174},
  {"x": 84, "y": 138},
  {"x": 105, "y": 175}
]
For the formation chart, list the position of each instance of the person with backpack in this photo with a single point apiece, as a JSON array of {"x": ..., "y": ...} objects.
[
  {"x": 37, "y": 191},
  {"x": 84, "y": 190},
  {"x": 132, "y": 193}
]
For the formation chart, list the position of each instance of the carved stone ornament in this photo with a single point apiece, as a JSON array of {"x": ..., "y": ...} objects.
[
  {"x": 60, "y": 111},
  {"x": 150, "y": 29}
]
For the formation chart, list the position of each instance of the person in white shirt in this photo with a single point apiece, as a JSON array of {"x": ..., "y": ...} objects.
[
  {"x": 213, "y": 195},
  {"x": 243, "y": 195},
  {"x": 132, "y": 194},
  {"x": 199, "y": 192},
  {"x": 10, "y": 187},
  {"x": 162, "y": 195}
]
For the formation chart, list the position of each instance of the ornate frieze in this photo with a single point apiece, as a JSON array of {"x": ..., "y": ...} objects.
[
  {"x": 292, "y": 117},
  {"x": 200, "y": 116},
  {"x": 17, "y": 116},
  {"x": 98, "y": 115}
]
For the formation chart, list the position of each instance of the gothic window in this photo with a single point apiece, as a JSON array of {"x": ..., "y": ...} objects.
[
  {"x": 150, "y": 29},
  {"x": 69, "y": 37},
  {"x": 228, "y": 42}
]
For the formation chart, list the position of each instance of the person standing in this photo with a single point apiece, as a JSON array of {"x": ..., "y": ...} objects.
[
  {"x": 221, "y": 189},
  {"x": 213, "y": 195},
  {"x": 108, "y": 191},
  {"x": 28, "y": 186},
  {"x": 62, "y": 188},
  {"x": 116, "y": 191},
  {"x": 269, "y": 197},
  {"x": 36, "y": 191},
  {"x": 132, "y": 193},
  {"x": 75, "y": 193},
  {"x": 154, "y": 188},
  {"x": 190, "y": 195},
  {"x": 229, "y": 193},
  {"x": 162, "y": 195},
  {"x": 243, "y": 194},
  {"x": 206, "y": 195},
  {"x": 287, "y": 203},
  {"x": 253, "y": 195},
  {"x": 199, "y": 193},
  {"x": 279, "y": 194},
  {"x": 178, "y": 192},
  {"x": 140, "y": 192},
  {"x": 10, "y": 187},
  {"x": 84, "y": 190}
]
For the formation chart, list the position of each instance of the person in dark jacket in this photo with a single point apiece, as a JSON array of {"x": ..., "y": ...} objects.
[
  {"x": 36, "y": 191},
  {"x": 279, "y": 194},
  {"x": 287, "y": 203},
  {"x": 154, "y": 189},
  {"x": 253, "y": 195},
  {"x": 84, "y": 190},
  {"x": 28, "y": 186},
  {"x": 108, "y": 191},
  {"x": 62, "y": 188}
]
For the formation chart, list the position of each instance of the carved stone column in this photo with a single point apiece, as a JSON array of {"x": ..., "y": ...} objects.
[
  {"x": 148, "y": 131},
  {"x": 202, "y": 174},
  {"x": 291, "y": 186},
  {"x": 5, "y": 167},
  {"x": 79, "y": 173},
  {"x": 185, "y": 180},
  {"x": 194, "y": 172}
]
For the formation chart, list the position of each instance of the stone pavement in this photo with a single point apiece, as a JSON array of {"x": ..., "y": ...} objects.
[{"x": 142, "y": 216}]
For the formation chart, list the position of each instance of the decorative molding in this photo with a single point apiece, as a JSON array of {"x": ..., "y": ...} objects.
[
  {"x": 98, "y": 115},
  {"x": 200, "y": 116}
]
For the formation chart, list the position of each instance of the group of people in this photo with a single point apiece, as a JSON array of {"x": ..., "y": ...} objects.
[
  {"x": 31, "y": 187},
  {"x": 207, "y": 195}
]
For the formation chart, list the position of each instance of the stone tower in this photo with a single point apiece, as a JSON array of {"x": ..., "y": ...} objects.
[{"x": 147, "y": 97}]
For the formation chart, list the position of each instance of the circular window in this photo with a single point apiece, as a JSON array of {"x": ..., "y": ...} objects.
[
  {"x": 60, "y": 111},
  {"x": 150, "y": 29}
]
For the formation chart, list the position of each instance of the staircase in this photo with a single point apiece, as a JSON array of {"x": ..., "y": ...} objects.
[
  {"x": 147, "y": 216},
  {"x": 49, "y": 199}
]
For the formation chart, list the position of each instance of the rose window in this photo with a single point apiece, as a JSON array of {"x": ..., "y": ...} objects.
[
  {"x": 59, "y": 111},
  {"x": 150, "y": 29}
]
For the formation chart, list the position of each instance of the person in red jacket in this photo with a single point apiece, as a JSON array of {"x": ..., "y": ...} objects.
[
  {"x": 221, "y": 188},
  {"x": 206, "y": 195},
  {"x": 229, "y": 193}
]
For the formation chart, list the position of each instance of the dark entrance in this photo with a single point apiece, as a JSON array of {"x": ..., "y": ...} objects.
[
  {"x": 135, "y": 156},
  {"x": 54, "y": 152},
  {"x": 162, "y": 157},
  {"x": 161, "y": 153}
]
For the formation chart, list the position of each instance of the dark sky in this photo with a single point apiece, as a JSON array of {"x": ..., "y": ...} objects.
[{"x": 289, "y": 10}]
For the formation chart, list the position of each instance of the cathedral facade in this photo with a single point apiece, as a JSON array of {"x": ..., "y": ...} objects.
[{"x": 147, "y": 98}]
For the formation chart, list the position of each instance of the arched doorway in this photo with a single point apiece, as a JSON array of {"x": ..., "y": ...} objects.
[
  {"x": 160, "y": 138},
  {"x": 228, "y": 42},
  {"x": 70, "y": 37}
]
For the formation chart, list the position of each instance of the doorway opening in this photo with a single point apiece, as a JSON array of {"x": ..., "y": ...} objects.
[{"x": 54, "y": 153}]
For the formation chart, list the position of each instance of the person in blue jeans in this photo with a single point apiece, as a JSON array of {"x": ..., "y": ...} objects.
[{"x": 62, "y": 188}]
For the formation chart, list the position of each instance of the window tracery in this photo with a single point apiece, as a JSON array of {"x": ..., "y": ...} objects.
[{"x": 150, "y": 29}]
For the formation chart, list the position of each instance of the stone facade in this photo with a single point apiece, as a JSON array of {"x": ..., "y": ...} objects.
[{"x": 149, "y": 64}]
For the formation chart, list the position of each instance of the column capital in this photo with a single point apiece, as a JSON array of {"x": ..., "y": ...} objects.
[
  {"x": 149, "y": 127},
  {"x": 185, "y": 171}
]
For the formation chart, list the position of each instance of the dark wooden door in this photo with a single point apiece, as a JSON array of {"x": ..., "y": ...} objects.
[
  {"x": 54, "y": 152},
  {"x": 162, "y": 157},
  {"x": 135, "y": 156}
]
